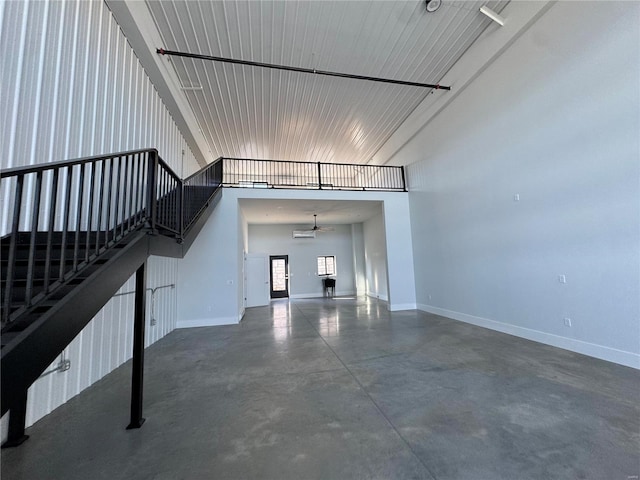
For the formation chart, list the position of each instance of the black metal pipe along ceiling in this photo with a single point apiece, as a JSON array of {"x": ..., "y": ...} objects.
[{"x": 162, "y": 51}]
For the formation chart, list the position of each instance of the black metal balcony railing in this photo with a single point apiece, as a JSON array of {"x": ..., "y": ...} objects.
[{"x": 309, "y": 175}]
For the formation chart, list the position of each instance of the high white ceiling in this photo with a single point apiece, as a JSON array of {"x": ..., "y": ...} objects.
[
  {"x": 300, "y": 212},
  {"x": 252, "y": 112}
]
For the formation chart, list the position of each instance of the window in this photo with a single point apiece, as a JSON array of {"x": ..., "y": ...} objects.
[{"x": 327, "y": 265}]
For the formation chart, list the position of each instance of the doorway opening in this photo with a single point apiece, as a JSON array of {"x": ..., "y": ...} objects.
[{"x": 279, "y": 274}]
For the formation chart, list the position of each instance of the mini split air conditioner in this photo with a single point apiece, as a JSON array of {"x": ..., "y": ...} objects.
[{"x": 304, "y": 234}]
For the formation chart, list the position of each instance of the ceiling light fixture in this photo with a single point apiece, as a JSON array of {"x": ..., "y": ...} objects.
[
  {"x": 492, "y": 15},
  {"x": 433, "y": 5}
]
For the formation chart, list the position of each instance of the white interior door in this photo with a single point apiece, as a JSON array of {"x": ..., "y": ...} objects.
[{"x": 257, "y": 271}]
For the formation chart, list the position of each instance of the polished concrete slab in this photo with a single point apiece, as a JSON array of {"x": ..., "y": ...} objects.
[{"x": 344, "y": 389}]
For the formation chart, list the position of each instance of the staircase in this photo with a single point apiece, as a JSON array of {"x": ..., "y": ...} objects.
[{"x": 79, "y": 229}]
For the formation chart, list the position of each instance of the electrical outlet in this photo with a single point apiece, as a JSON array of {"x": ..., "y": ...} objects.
[
  {"x": 153, "y": 322},
  {"x": 516, "y": 197},
  {"x": 562, "y": 278},
  {"x": 567, "y": 322}
]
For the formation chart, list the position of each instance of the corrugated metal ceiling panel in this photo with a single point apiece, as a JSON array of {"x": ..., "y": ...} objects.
[{"x": 252, "y": 112}]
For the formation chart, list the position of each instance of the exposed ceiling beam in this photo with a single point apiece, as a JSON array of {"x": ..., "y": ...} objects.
[{"x": 313, "y": 71}]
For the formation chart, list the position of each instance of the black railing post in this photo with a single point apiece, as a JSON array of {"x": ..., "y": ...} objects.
[
  {"x": 404, "y": 180},
  {"x": 152, "y": 201},
  {"x": 180, "y": 209},
  {"x": 138, "y": 349},
  {"x": 52, "y": 219},
  {"x": 319, "y": 176},
  {"x": 15, "y": 225},
  {"x": 35, "y": 218},
  {"x": 17, "y": 418}
]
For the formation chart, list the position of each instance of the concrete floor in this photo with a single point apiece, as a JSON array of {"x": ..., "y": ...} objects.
[{"x": 343, "y": 389}]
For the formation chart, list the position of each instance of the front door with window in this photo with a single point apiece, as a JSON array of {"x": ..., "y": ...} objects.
[{"x": 279, "y": 276}]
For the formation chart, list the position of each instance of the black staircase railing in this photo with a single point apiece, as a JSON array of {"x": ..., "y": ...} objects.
[
  {"x": 167, "y": 196},
  {"x": 61, "y": 216},
  {"x": 197, "y": 191},
  {"x": 239, "y": 172}
]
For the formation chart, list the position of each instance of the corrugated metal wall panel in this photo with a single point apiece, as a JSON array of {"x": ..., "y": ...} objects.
[{"x": 73, "y": 87}]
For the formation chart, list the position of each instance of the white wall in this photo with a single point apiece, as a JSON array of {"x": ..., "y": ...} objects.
[
  {"x": 72, "y": 87},
  {"x": 303, "y": 255},
  {"x": 375, "y": 255},
  {"x": 555, "y": 120},
  {"x": 208, "y": 275},
  {"x": 400, "y": 274},
  {"x": 243, "y": 239},
  {"x": 359, "y": 264}
]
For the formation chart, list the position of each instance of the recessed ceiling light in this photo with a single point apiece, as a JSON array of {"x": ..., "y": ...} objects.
[{"x": 433, "y": 5}]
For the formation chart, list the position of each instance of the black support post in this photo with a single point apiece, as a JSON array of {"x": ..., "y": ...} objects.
[
  {"x": 17, "y": 417},
  {"x": 138, "y": 349}
]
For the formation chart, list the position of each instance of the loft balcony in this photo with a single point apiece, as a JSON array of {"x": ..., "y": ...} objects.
[{"x": 248, "y": 173}]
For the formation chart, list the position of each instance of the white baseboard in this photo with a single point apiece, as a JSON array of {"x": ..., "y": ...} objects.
[
  {"x": 394, "y": 307},
  {"x": 207, "y": 322},
  {"x": 609, "y": 354},
  {"x": 339, "y": 293},
  {"x": 379, "y": 296}
]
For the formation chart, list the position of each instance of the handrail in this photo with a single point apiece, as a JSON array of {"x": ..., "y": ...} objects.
[
  {"x": 244, "y": 172},
  {"x": 63, "y": 163},
  {"x": 198, "y": 190},
  {"x": 203, "y": 168}
]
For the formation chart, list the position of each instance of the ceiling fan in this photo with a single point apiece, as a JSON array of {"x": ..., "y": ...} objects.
[
  {"x": 311, "y": 233},
  {"x": 316, "y": 228}
]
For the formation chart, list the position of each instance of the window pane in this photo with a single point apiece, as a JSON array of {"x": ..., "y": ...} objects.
[
  {"x": 278, "y": 274},
  {"x": 331, "y": 268},
  {"x": 321, "y": 266}
]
